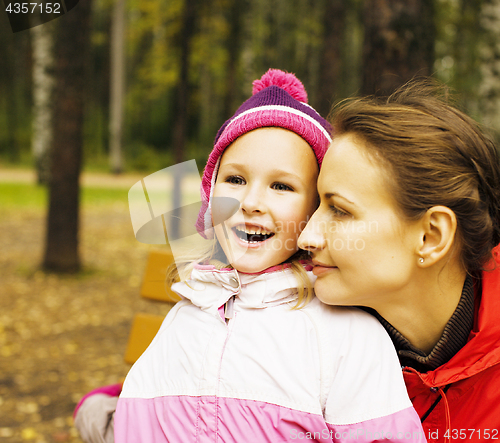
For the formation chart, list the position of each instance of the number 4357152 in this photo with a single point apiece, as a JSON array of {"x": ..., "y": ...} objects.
[
  {"x": 467, "y": 434},
  {"x": 34, "y": 8}
]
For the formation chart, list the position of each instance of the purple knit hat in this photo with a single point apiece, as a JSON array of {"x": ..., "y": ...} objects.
[{"x": 278, "y": 99}]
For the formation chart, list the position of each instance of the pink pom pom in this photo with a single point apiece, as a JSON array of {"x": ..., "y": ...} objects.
[{"x": 284, "y": 80}]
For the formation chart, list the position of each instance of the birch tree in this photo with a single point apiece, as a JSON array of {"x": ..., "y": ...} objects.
[
  {"x": 117, "y": 87},
  {"x": 43, "y": 86}
]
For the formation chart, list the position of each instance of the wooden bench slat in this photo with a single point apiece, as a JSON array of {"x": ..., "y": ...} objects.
[
  {"x": 153, "y": 284},
  {"x": 144, "y": 328}
]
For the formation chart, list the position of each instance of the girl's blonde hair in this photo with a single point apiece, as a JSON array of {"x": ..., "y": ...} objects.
[{"x": 210, "y": 251}]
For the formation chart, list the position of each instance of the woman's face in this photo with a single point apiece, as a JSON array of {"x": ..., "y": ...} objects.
[
  {"x": 364, "y": 252},
  {"x": 272, "y": 172}
]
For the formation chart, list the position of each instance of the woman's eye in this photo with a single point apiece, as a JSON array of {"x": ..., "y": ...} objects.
[
  {"x": 281, "y": 187},
  {"x": 337, "y": 212},
  {"x": 235, "y": 180}
]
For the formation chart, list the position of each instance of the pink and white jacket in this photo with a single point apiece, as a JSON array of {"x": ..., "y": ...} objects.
[{"x": 266, "y": 372}]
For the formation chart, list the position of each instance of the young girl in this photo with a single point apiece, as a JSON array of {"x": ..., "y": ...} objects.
[{"x": 247, "y": 355}]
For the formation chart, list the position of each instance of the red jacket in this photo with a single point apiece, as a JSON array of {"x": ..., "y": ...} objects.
[{"x": 466, "y": 388}]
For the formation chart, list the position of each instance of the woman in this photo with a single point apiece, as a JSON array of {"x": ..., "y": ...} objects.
[{"x": 407, "y": 226}]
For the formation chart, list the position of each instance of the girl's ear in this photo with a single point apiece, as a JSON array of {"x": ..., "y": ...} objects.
[{"x": 439, "y": 225}]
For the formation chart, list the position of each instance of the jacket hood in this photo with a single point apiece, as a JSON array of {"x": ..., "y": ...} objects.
[
  {"x": 210, "y": 288},
  {"x": 482, "y": 349}
]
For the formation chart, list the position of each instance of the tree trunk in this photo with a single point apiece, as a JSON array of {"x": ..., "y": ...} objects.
[
  {"x": 331, "y": 61},
  {"x": 43, "y": 86},
  {"x": 180, "y": 125},
  {"x": 398, "y": 43},
  {"x": 117, "y": 87},
  {"x": 235, "y": 21},
  {"x": 71, "y": 50},
  {"x": 489, "y": 89},
  {"x": 14, "y": 51}
]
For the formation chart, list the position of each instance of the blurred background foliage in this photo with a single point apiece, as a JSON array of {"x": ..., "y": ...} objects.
[{"x": 324, "y": 42}]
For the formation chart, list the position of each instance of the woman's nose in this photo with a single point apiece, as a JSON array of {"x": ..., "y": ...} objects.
[{"x": 312, "y": 237}]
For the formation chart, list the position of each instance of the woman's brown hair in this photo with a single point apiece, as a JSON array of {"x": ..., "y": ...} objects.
[{"x": 436, "y": 155}]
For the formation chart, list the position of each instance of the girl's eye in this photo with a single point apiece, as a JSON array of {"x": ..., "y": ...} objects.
[
  {"x": 235, "y": 180},
  {"x": 281, "y": 187},
  {"x": 337, "y": 212}
]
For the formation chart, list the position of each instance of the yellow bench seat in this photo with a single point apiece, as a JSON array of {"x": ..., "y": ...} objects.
[{"x": 145, "y": 326}]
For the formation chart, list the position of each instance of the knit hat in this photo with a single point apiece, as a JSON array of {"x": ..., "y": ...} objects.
[{"x": 278, "y": 99}]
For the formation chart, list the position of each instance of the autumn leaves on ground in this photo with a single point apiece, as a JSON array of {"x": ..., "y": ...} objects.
[{"x": 61, "y": 336}]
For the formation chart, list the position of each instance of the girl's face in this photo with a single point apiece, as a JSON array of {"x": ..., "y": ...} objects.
[
  {"x": 363, "y": 250},
  {"x": 272, "y": 172}
]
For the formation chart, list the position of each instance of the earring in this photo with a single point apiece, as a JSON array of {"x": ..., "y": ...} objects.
[{"x": 420, "y": 260}]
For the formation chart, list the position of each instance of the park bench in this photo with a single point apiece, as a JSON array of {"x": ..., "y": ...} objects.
[{"x": 145, "y": 326}]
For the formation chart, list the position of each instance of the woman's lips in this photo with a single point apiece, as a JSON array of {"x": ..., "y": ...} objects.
[{"x": 320, "y": 269}]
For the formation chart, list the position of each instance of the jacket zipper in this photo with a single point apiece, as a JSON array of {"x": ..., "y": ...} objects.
[
  {"x": 228, "y": 310},
  {"x": 424, "y": 417},
  {"x": 442, "y": 395}
]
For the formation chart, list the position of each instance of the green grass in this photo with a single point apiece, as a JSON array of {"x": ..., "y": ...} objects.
[
  {"x": 21, "y": 195},
  {"x": 102, "y": 196},
  {"x": 24, "y": 195}
]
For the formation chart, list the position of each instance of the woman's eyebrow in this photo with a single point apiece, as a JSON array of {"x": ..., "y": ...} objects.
[{"x": 329, "y": 195}]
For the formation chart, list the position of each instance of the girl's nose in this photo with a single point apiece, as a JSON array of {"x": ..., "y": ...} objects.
[
  {"x": 253, "y": 201},
  {"x": 312, "y": 238}
]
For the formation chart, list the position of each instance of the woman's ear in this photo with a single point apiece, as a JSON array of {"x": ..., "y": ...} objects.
[{"x": 439, "y": 225}]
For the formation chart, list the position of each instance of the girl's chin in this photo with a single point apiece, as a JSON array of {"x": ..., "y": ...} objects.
[
  {"x": 254, "y": 265},
  {"x": 249, "y": 265},
  {"x": 255, "y": 258}
]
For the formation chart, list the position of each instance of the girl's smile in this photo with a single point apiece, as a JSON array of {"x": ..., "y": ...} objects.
[
  {"x": 252, "y": 235},
  {"x": 272, "y": 172}
]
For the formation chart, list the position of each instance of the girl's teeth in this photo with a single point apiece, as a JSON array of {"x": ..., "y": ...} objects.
[
  {"x": 253, "y": 235},
  {"x": 249, "y": 231}
]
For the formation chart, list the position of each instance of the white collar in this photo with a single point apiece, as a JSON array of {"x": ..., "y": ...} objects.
[{"x": 210, "y": 288}]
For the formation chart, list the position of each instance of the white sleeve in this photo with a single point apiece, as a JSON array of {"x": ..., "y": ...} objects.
[{"x": 94, "y": 419}]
